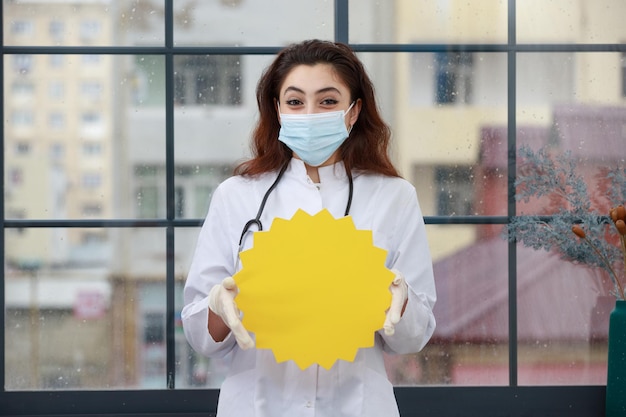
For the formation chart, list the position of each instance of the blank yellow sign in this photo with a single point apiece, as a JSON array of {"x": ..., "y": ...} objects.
[{"x": 313, "y": 289}]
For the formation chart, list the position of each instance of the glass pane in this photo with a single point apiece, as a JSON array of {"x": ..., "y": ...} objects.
[
  {"x": 84, "y": 136},
  {"x": 94, "y": 23},
  {"x": 571, "y": 165},
  {"x": 84, "y": 309},
  {"x": 237, "y": 22},
  {"x": 563, "y": 311},
  {"x": 454, "y": 21},
  {"x": 570, "y": 21},
  {"x": 470, "y": 343},
  {"x": 571, "y": 107},
  {"x": 448, "y": 116}
]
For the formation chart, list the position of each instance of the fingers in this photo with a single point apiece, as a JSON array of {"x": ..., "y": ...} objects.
[
  {"x": 398, "y": 276},
  {"x": 242, "y": 336},
  {"x": 389, "y": 328},
  {"x": 394, "y": 312},
  {"x": 229, "y": 283},
  {"x": 230, "y": 314},
  {"x": 397, "y": 302},
  {"x": 399, "y": 293},
  {"x": 222, "y": 303}
]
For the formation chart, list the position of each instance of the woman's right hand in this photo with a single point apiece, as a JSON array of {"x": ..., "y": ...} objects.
[{"x": 222, "y": 303}]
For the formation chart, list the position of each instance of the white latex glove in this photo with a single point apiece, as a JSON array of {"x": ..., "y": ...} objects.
[
  {"x": 399, "y": 294},
  {"x": 222, "y": 303}
]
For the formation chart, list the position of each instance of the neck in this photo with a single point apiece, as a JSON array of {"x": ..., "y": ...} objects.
[{"x": 313, "y": 173}]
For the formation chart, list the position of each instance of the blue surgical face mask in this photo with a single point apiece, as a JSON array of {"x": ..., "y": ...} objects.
[{"x": 314, "y": 137}]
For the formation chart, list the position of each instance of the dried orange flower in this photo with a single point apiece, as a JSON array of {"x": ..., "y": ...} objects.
[
  {"x": 621, "y": 227},
  {"x": 578, "y": 231},
  {"x": 620, "y": 213}
]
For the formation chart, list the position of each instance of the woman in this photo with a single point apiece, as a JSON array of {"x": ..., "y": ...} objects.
[{"x": 319, "y": 143}]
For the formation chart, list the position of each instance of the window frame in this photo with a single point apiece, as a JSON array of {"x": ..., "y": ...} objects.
[
  {"x": 623, "y": 74},
  {"x": 484, "y": 401}
]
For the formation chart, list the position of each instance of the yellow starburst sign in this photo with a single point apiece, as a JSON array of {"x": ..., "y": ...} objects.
[{"x": 313, "y": 289}]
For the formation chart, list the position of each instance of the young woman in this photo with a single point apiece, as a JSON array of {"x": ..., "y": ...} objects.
[{"x": 320, "y": 143}]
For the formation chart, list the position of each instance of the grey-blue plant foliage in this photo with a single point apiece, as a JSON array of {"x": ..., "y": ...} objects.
[{"x": 542, "y": 175}]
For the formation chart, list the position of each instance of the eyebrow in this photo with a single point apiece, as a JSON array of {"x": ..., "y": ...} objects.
[{"x": 320, "y": 91}]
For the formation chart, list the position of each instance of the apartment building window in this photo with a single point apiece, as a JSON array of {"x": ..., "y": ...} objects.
[
  {"x": 149, "y": 197},
  {"x": 202, "y": 80},
  {"x": 22, "y": 28},
  {"x": 56, "y": 90},
  {"x": 90, "y": 59},
  {"x": 56, "y": 120},
  {"x": 22, "y": 64},
  {"x": 22, "y": 118},
  {"x": 22, "y": 148},
  {"x": 453, "y": 77},
  {"x": 92, "y": 210},
  {"x": 89, "y": 29},
  {"x": 91, "y": 119},
  {"x": 57, "y": 151},
  {"x": 91, "y": 90},
  {"x": 92, "y": 125},
  {"x": 56, "y": 29},
  {"x": 91, "y": 149},
  {"x": 154, "y": 330},
  {"x": 93, "y": 237},
  {"x": 56, "y": 61},
  {"x": 91, "y": 180},
  {"x": 455, "y": 191},
  {"x": 23, "y": 89}
]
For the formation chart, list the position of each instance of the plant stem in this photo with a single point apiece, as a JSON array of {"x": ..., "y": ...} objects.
[
  {"x": 623, "y": 239},
  {"x": 608, "y": 265}
]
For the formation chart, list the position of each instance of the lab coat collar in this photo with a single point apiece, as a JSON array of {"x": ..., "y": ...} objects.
[{"x": 330, "y": 175}]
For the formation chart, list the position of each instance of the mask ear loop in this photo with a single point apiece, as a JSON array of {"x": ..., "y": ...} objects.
[
  {"x": 344, "y": 115},
  {"x": 349, "y": 108}
]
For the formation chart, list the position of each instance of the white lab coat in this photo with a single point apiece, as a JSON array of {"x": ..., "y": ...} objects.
[{"x": 256, "y": 384}]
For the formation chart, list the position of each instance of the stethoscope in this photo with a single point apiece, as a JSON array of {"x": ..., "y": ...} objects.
[{"x": 257, "y": 220}]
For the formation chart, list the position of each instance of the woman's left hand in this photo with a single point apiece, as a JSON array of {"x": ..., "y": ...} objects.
[{"x": 399, "y": 296}]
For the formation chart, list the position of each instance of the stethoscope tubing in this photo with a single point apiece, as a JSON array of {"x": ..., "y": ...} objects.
[{"x": 257, "y": 220}]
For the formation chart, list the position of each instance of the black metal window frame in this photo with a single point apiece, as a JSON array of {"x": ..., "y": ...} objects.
[{"x": 434, "y": 401}]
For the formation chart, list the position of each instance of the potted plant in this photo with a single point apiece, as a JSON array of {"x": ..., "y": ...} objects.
[{"x": 584, "y": 227}]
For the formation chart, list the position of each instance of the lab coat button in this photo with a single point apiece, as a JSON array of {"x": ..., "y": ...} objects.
[{"x": 308, "y": 404}]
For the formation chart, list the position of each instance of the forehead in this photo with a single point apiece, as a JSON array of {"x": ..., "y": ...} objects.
[{"x": 312, "y": 78}]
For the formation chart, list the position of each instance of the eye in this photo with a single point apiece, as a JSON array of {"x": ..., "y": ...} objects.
[
  {"x": 329, "y": 102},
  {"x": 293, "y": 102}
]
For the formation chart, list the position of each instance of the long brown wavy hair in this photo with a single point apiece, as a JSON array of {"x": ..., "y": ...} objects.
[{"x": 365, "y": 149}]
